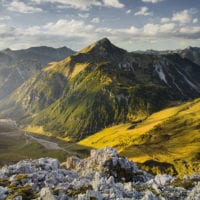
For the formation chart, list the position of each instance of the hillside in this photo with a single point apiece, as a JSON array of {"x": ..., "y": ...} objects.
[
  {"x": 170, "y": 136},
  {"x": 100, "y": 86},
  {"x": 18, "y": 66}
]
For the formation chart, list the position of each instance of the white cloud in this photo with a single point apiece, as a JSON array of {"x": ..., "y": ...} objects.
[
  {"x": 77, "y": 34},
  {"x": 152, "y": 32},
  {"x": 168, "y": 28},
  {"x": 95, "y": 20},
  {"x": 82, "y": 4},
  {"x": 184, "y": 17},
  {"x": 143, "y": 11},
  {"x": 21, "y": 7},
  {"x": 159, "y": 30},
  {"x": 76, "y": 4},
  {"x": 67, "y": 28},
  {"x": 73, "y": 33},
  {"x": 165, "y": 20},
  {"x": 3, "y": 18},
  {"x": 113, "y": 3},
  {"x": 84, "y": 16},
  {"x": 151, "y": 29},
  {"x": 195, "y": 21},
  {"x": 191, "y": 31},
  {"x": 61, "y": 28},
  {"x": 4, "y": 29},
  {"x": 151, "y": 1},
  {"x": 128, "y": 11}
]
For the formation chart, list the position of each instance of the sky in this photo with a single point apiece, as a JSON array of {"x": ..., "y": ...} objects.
[{"x": 129, "y": 24}]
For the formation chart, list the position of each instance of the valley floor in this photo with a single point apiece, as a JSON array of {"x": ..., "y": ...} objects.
[{"x": 18, "y": 145}]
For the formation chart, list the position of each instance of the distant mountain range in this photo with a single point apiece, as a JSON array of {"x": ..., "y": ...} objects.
[
  {"x": 191, "y": 53},
  {"x": 100, "y": 86},
  {"x": 18, "y": 66}
]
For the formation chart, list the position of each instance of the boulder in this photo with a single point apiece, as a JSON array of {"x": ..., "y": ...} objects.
[
  {"x": 163, "y": 179},
  {"x": 48, "y": 163},
  {"x": 108, "y": 162},
  {"x": 46, "y": 194}
]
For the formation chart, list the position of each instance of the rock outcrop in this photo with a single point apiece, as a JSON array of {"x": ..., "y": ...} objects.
[{"x": 103, "y": 175}]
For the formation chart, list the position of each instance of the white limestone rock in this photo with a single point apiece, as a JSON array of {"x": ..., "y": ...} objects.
[
  {"x": 48, "y": 164},
  {"x": 148, "y": 195},
  {"x": 90, "y": 195},
  {"x": 3, "y": 192},
  {"x": 163, "y": 179},
  {"x": 103, "y": 175},
  {"x": 46, "y": 194},
  {"x": 195, "y": 193}
]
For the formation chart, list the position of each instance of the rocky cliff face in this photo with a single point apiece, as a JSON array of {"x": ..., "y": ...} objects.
[{"x": 103, "y": 175}]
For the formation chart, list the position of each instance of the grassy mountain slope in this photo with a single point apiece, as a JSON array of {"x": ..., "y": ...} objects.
[
  {"x": 100, "y": 86},
  {"x": 169, "y": 136},
  {"x": 100, "y": 97}
]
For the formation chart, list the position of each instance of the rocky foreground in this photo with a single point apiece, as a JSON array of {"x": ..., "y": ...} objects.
[{"x": 103, "y": 175}]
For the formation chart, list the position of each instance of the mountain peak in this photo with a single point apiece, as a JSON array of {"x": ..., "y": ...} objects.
[
  {"x": 102, "y": 47},
  {"x": 103, "y": 41},
  {"x": 7, "y": 50}
]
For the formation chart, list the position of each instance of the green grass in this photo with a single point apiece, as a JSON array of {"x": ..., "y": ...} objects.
[{"x": 170, "y": 136}]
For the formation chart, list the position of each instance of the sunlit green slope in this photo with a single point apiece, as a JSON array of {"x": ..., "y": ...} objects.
[{"x": 171, "y": 135}]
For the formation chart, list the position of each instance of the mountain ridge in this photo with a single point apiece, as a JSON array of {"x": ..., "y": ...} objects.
[
  {"x": 190, "y": 53},
  {"x": 99, "y": 86},
  {"x": 17, "y": 66}
]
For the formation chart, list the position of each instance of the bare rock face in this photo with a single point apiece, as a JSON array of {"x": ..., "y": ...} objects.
[
  {"x": 104, "y": 175},
  {"x": 108, "y": 162}
]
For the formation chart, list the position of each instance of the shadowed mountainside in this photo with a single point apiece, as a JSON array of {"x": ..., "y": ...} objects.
[{"x": 18, "y": 66}]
